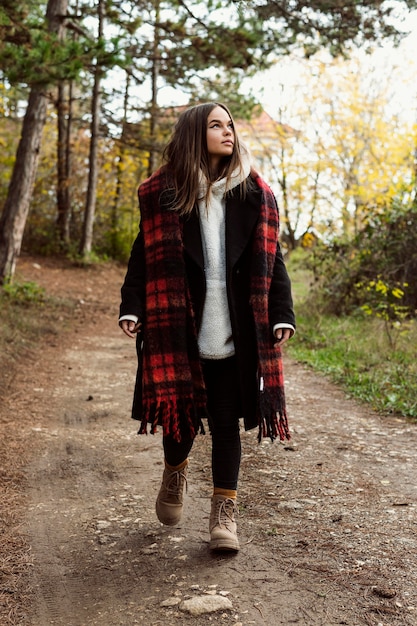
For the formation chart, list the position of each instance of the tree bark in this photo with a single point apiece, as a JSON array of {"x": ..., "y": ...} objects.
[
  {"x": 63, "y": 165},
  {"x": 153, "y": 127},
  {"x": 90, "y": 207},
  {"x": 16, "y": 206},
  {"x": 119, "y": 174}
]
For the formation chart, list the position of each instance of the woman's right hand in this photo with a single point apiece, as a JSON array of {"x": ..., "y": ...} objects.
[{"x": 130, "y": 328}]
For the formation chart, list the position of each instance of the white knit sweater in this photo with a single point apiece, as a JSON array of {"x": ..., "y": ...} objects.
[{"x": 215, "y": 336}]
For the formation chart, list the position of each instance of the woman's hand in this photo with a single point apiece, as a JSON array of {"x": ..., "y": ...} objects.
[
  {"x": 131, "y": 329},
  {"x": 282, "y": 335}
]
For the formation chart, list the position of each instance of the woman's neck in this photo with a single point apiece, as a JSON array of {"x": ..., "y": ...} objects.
[{"x": 216, "y": 170}]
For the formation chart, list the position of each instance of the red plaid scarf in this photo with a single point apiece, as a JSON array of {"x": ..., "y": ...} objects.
[
  {"x": 173, "y": 387},
  {"x": 273, "y": 420}
]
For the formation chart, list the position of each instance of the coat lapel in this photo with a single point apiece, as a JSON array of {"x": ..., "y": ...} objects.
[
  {"x": 241, "y": 217},
  {"x": 192, "y": 239}
]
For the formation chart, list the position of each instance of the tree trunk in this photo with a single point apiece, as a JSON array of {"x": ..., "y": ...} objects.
[
  {"x": 16, "y": 206},
  {"x": 63, "y": 165},
  {"x": 90, "y": 207},
  {"x": 64, "y": 156},
  {"x": 119, "y": 174},
  {"x": 153, "y": 127}
]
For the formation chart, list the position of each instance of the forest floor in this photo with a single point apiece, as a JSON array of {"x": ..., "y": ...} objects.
[{"x": 327, "y": 522}]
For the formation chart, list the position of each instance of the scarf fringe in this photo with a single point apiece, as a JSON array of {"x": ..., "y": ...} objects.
[
  {"x": 175, "y": 417},
  {"x": 273, "y": 426}
]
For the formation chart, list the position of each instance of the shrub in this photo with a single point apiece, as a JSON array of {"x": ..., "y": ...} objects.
[{"x": 384, "y": 252}]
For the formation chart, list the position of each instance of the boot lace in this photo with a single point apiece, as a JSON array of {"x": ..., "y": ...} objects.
[
  {"x": 174, "y": 483},
  {"x": 225, "y": 510}
]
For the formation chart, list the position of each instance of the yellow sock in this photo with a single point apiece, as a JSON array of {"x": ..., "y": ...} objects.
[
  {"x": 228, "y": 493},
  {"x": 176, "y": 468}
]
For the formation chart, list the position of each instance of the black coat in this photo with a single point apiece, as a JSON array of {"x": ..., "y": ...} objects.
[{"x": 241, "y": 218}]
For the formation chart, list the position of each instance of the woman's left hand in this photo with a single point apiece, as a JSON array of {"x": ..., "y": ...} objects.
[{"x": 282, "y": 335}]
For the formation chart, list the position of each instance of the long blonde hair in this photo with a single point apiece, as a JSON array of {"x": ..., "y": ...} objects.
[{"x": 186, "y": 155}]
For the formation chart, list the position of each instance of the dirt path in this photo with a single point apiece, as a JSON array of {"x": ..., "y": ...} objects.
[{"x": 327, "y": 523}]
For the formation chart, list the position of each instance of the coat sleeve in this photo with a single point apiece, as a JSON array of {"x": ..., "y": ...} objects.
[
  {"x": 281, "y": 308},
  {"x": 133, "y": 288}
]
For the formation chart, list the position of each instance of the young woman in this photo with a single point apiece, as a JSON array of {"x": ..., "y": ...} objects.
[{"x": 208, "y": 298}]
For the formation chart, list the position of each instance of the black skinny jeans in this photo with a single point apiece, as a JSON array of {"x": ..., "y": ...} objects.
[{"x": 223, "y": 404}]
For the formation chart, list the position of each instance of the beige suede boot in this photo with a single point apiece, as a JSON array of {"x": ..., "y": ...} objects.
[
  {"x": 222, "y": 524},
  {"x": 169, "y": 503}
]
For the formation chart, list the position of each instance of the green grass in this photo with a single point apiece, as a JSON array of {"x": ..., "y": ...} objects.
[{"x": 356, "y": 353}]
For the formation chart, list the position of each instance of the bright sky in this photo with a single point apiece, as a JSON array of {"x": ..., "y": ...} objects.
[{"x": 401, "y": 63}]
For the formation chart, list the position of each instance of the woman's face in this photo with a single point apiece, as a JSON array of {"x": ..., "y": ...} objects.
[{"x": 220, "y": 136}]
